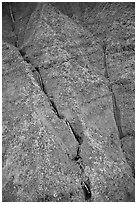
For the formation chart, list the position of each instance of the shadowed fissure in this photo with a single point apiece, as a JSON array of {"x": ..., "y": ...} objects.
[
  {"x": 116, "y": 109},
  {"x": 12, "y": 19},
  {"x": 85, "y": 183}
]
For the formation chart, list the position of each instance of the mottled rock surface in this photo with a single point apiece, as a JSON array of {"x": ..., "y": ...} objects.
[
  {"x": 36, "y": 143},
  {"x": 60, "y": 137},
  {"x": 114, "y": 25}
]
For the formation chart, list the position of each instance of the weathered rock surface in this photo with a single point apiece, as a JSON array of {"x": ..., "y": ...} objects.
[
  {"x": 60, "y": 139},
  {"x": 36, "y": 144},
  {"x": 15, "y": 17},
  {"x": 114, "y": 25}
]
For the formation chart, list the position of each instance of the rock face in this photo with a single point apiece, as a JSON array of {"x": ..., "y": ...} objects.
[
  {"x": 36, "y": 144},
  {"x": 114, "y": 27},
  {"x": 15, "y": 17},
  {"x": 60, "y": 134}
]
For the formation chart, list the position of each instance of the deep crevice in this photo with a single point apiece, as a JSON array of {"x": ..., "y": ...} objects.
[
  {"x": 78, "y": 159},
  {"x": 116, "y": 109},
  {"x": 86, "y": 189},
  {"x": 23, "y": 53},
  {"x": 77, "y": 136},
  {"x": 117, "y": 115},
  {"x": 52, "y": 103},
  {"x": 55, "y": 109}
]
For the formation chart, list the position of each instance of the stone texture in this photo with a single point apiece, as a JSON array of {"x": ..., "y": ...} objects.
[
  {"x": 35, "y": 142},
  {"x": 114, "y": 23},
  {"x": 39, "y": 146},
  {"x": 21, "y": 12}
]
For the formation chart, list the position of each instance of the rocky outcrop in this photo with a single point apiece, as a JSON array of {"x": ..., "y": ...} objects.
[
  {"x": 113, "y": 26},
  {"x": 60, "y": 136},
  {"x": 37, "y": 146}
]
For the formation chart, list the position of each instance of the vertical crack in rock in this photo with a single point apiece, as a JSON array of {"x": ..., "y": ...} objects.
[
  {"x": 117, "y": 115},
  {"x": 85, "y": 184},
  {"x": 40, "y": 80},
  {"x": 86, "y": 189},
  {"x": 77, "y": 136},
  {"x": 12, "y": 17},
  {"x": 116, "y": 109},
  {"x": 77, "y": 157},
  {"x": 79, "y": 43},
  {"x": 23, "y": 53},
  {"x": 55, "y": 109},
  {"x": 104, "y": 60}
]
